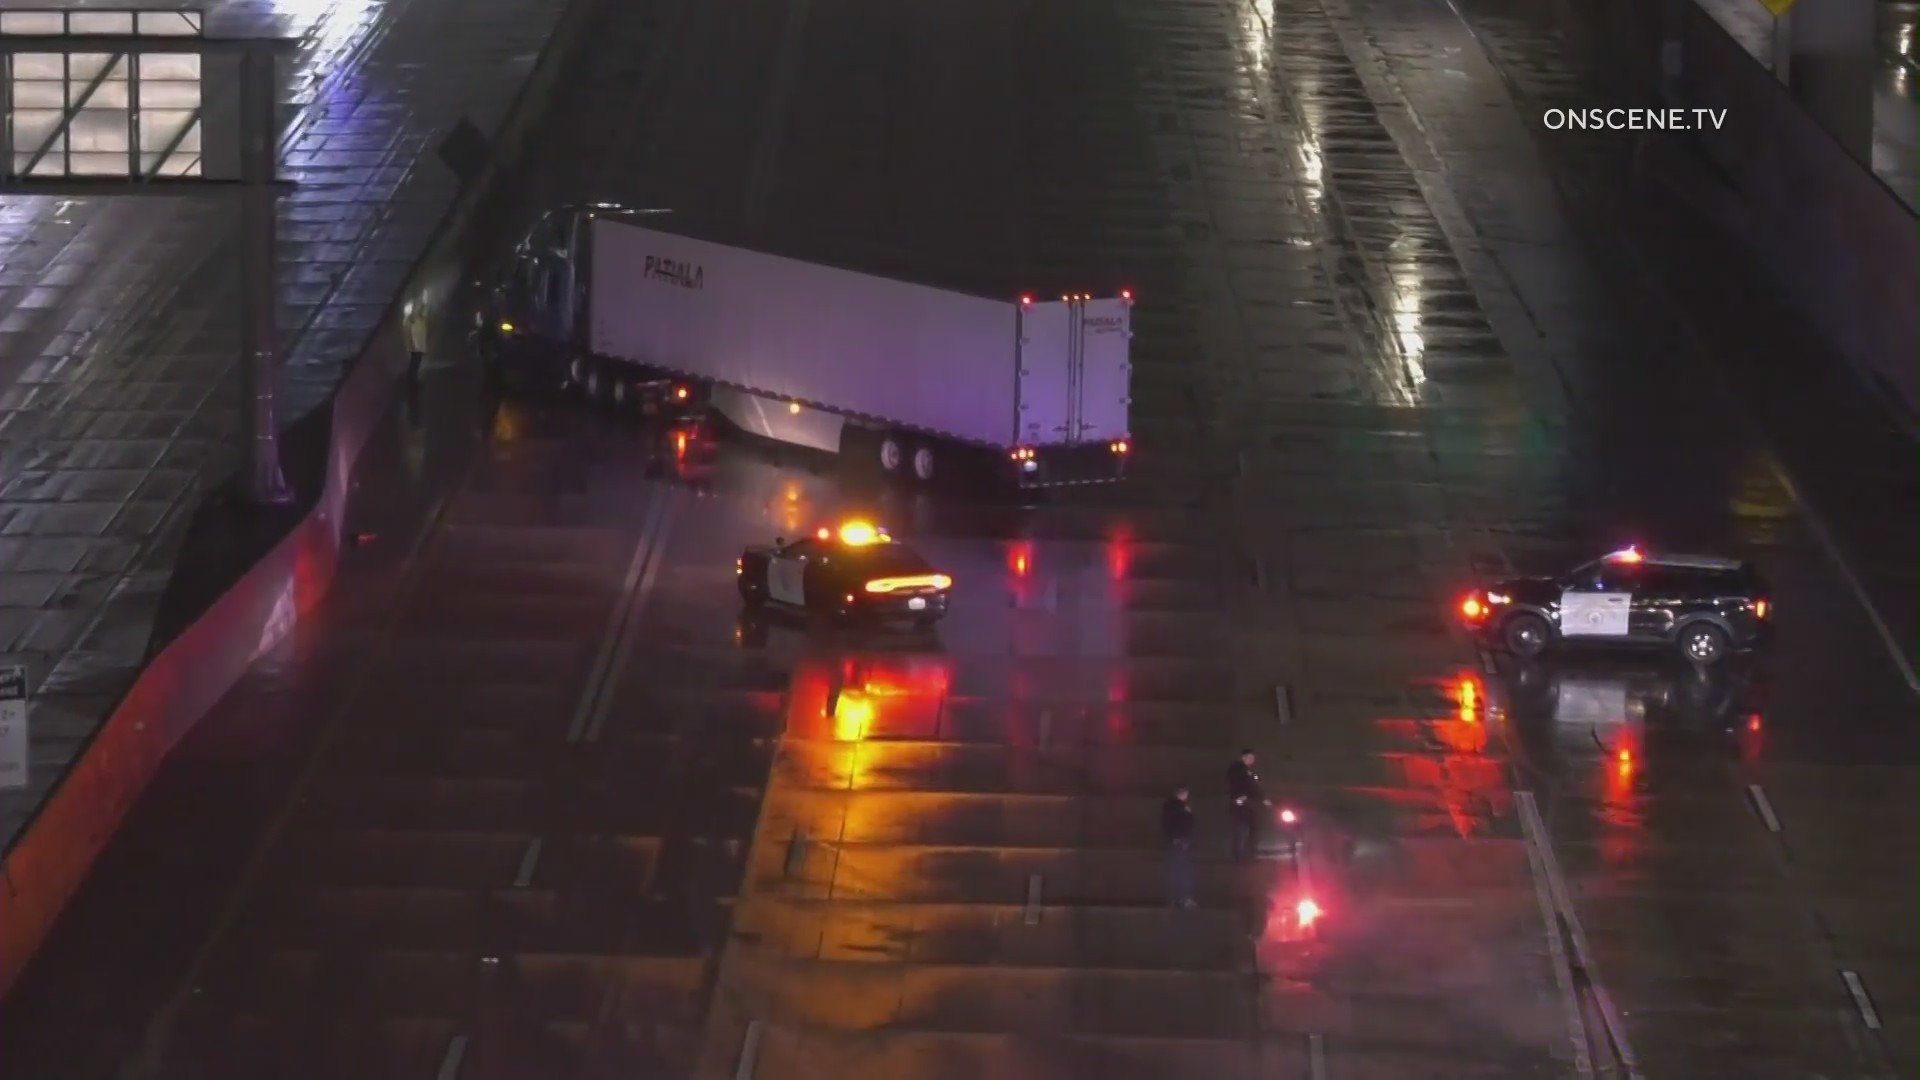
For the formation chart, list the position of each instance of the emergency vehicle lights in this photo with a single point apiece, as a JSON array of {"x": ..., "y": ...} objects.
[
  {"x": 680, "y": 393},
  {"x": 1026, "y": 301},
  {"x": 1627, "y": 555},
  {"x": 1472, "y": 608},
  {"x": 1288, "y": 817},
  {"x": 1119, "y": 446},
  {"x": 1022, "y": 454},
  {"x": 916, "y": 581},
  {"x": 1127, "y": 295},
  {"x": 739, "y": 567},
  {"x": 861, "y": 533},
  {"x": 1308, "y": 912},
  {"x": 506, "y": 327},
  {"x": 1760, "y": 609}
]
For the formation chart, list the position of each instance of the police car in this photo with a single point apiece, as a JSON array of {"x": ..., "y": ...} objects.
[
  {"x": 855, "y": 570},
  {"x": 1703, "y": 606}
]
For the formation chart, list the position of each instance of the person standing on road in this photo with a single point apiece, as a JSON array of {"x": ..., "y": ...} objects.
[
  {"x": 1176, "y": 822},
  {"x": 1245, "y": 799},
  {"x": 415, "y": 323}
]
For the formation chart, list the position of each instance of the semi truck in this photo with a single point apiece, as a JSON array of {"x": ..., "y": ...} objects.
[{"x": 632, "y": 311}]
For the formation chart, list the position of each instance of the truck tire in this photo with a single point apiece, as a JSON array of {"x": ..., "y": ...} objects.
[
  {"x": 577, "y": 368},
  {"x": 923, "y": 463},
  {"x": 599, "y": 385},
  {"x": 622, "y": 396},
  {"x": 891, "y": 454}
]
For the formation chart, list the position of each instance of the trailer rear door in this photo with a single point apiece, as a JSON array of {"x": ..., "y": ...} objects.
[
  {"x": 1046, "y": 373},
  {"x": 1105, "y": 373}
]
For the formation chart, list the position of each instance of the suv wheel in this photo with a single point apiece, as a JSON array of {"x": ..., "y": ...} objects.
[
  {"x": 1703, "y": 644},
  {"x": 1526, "y": 635}
]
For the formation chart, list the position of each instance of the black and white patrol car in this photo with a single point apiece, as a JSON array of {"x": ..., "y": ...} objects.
[
  {"x": 856, "y": 570},
  {"x": 1703, "y": 606}
]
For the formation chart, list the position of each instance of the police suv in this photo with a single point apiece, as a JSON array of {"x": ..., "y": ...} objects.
[{"x": 1703, "y": 606}]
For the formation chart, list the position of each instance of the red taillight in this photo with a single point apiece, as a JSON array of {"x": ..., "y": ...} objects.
[
  {"x": 1288, "y": 817},
  {"x": 1026, "y": 301},
  {"x": 1127, "y": 295},
  {"x": 915, "y": 581},
  {"x": 680, "y": 393},
  {"x": 1761, "y": 608},
  {"x": 1473, "y": 609},
  {"x": 739, "y": 566}
]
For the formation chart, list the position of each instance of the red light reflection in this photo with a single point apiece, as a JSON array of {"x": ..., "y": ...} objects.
[{"x": 1119, "y": 553}]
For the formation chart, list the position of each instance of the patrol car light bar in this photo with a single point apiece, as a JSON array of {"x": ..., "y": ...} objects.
[
  {"x": 856, "y": 534},
  {"x": 1627, "y": 555}
]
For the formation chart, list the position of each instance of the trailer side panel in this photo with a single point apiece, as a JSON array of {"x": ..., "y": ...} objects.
[{"x": 915, "y": 356}]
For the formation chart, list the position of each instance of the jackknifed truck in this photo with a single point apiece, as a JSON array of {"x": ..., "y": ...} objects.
[{"x": 637, "y": 317}]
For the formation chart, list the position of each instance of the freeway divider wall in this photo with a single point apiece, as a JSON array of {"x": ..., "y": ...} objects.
[
  {"x": 1836, "y": 242},
  {"x": 188, "y": 677}
]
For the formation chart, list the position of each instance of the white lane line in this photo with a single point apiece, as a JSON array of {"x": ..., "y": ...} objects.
[
  {"x": 1033, "y": 900},
  {"x": 657, "y": 556},
  {"x": 749, "y": 1051},
  {"x": 1861, "y": 1000},
  {"x": 528, "y": 863},
  {"x": 1487, "y": 665},
  {"x": 1823, "y": 538},
  {"x": 1282, "y": 703},
  {"x": 1763, "y": 807},
  {"x": 583, "y": 709},
  {"x": 450, "y": 1063},
  {"x": 1616, "y": 1029},
  {"x": 1535, "y": 833},
  {"x": 1316, "y": 1057}
]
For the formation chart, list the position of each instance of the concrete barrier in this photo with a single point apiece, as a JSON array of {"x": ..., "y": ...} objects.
[
  {"x": 1839, "y": 246},
  {"x": 1836, "y": 240},
  {"x": 187, "y": 678}
]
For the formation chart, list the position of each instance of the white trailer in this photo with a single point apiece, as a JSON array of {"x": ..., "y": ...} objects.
[{"x": 840, "y": 361}]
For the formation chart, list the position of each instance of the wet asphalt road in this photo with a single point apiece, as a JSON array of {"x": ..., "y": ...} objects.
[{"x": 550, "y": 823}]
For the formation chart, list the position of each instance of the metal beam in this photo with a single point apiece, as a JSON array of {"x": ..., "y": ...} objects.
[
  {"x": 171, "y": 187},
  {"x": 165, "y": 151},
  {"x": 16, "y": 44},
  {"x": 72, "y": 109}
]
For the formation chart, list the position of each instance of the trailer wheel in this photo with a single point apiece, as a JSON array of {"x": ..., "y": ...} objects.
[
  {"x": 622, "y": 394},
  {"x": 577, "y": 372},
  {"x": 923, "y": 463},
  {"x": 890, "y": 454},
  {"x": 597, "y": 389}
]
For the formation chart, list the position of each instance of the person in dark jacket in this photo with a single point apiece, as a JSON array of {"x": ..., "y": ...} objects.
[
  {"x": 1245, "y": 800},
  {"x": 1176, "y": 822}
]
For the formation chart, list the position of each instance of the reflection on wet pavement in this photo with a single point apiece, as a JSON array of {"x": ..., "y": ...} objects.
[{"x": 1370, "y": 369}]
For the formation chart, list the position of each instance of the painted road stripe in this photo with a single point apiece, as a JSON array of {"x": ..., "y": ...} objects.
[
  {"x": 749, "y": 1051},
  {"x": 1764, "y": 808},
  {"x": 1282, "y": 703},
  {"x": 528, "y": 861},
  {"x": 1033, "y": 900},
  {"x": 603, "y": 658},
  {"x": 610, "y": 680},
  {"x": 1535, "y": 833},
  {"x": 450, "y": 1062},
  {"x": 1861, "y": 1000},
  {"x": 1316, "y": 1057}
]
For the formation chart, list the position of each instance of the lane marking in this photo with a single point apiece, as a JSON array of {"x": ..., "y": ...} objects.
[
  {"x": 1487, "y": 666},
  {"x": 749, "y": 1051},
  {"x": 616, "y": 672},
  {"x": 528, "y": 862},
  {"x": 616, "y": 621},
  {"x": 1316, "y": 1057},
  {"x": 456, "y": 1053},
  {"x": 1535, "y": 833},
  {"x": 1033, "y": 900},
  {"x": 1861, "y": 1000},
  {"x": 1282, "y": 703},
  {"x": 1763, "y": 807},
  {"x": 1823, "y": 539},
  {"x": 1542, "y": 843}
]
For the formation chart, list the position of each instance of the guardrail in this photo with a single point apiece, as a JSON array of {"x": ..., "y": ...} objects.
[{"x": 187, "y": 678}]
